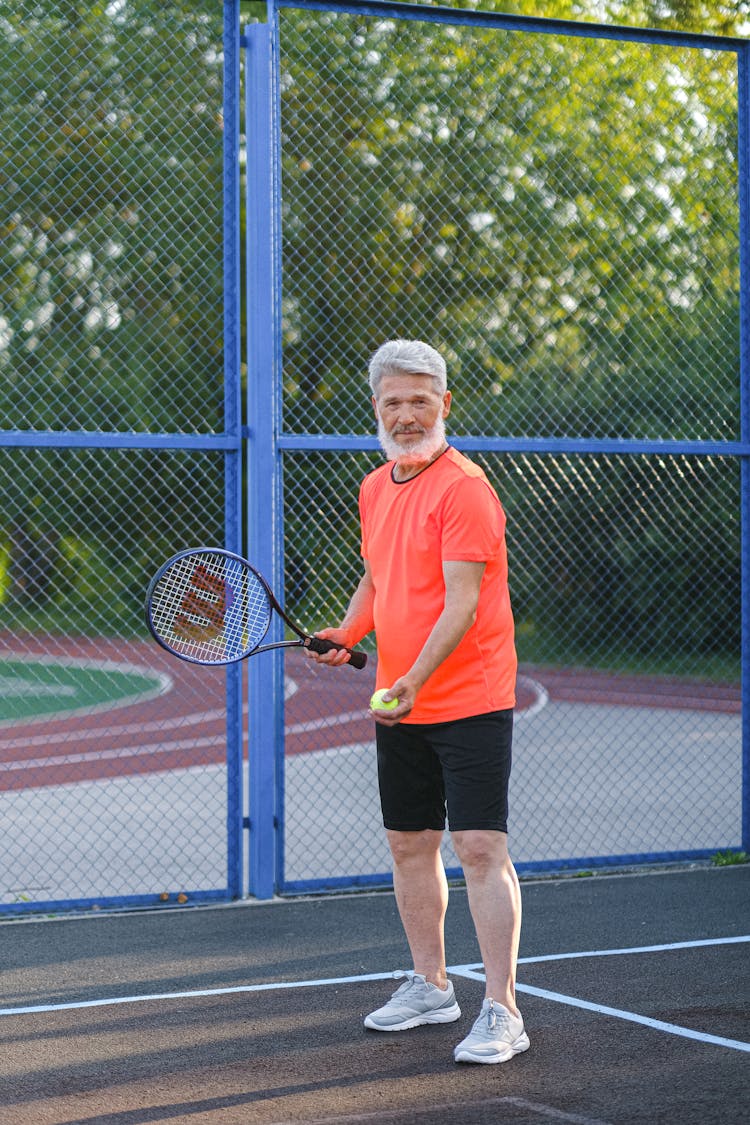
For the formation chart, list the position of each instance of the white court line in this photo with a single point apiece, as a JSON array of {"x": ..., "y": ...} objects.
[
  {"x": 154, "y": 726},
  {"x": 541, "y": 701},
  {"x": 108, "y": 1000},
  {"x": 331, "y": 721},
  {"x": 474, "y": 972},
  {"x": 429, "y": 1112},
  {"x": 199, "y": 718},
  {"x": 633, "y": 1017},
  {"x": 142, "y": 750},
  {"x": 604, "y": 1010},
  {"x": 138, "y": 751},
  {"x": 471, "y": 972},
  {"x": 638, "y": 949}
]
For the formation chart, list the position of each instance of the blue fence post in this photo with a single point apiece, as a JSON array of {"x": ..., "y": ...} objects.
[
  {"x": 232, "y": 420},
  {"x": 743, "y": 163},
  {"x": 716, "y": 448},
  {"x": 265, "y": 673}
]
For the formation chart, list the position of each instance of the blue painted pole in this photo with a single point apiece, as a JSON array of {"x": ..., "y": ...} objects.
[
  {"x": 743, "y": 146},
  {"x": 539, "y": 25},
  {"x": 232, "y": 422},
  {"x": 265, "y": 673}
]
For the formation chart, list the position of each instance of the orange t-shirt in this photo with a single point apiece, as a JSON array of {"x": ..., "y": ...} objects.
[{"x": 450, "y": 512}]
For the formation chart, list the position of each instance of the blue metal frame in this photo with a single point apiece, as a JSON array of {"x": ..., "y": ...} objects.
[
  {"x": 743, "y": 145},
  {"x": 741, "y": 448},
  {"x": 85, "y": 439},
  {"x": 388, "y": 9},
  {"x": 384, "y": 879},
  {"x": 230, "y": 444},
  {"x": 232, "y": 425},
  {"x": 266, "y": 443},
  {"x": 266, "y": 676},
  {"x": 501, "y": 444}
]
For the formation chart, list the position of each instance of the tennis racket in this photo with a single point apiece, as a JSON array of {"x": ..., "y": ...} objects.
[{"x": 209, "y": 606}]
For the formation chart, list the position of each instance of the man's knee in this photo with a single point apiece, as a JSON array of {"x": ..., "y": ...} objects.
[
  {"x": 479, "y": 849},
  {"x": 408, "y": 847}
]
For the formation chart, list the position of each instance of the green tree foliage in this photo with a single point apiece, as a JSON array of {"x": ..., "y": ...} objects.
[
  {"x": 111, "y": 304},
  {"x": 716, "y": 17},
  {"x": 560, "y": 216},
  {"x": 110, "y": 253}
]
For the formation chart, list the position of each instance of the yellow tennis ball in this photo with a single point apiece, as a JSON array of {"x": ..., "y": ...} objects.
[{"x": 377, "y": 703}]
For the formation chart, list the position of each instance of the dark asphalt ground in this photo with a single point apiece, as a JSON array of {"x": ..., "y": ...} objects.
[{"x": 300, "y": 1054}]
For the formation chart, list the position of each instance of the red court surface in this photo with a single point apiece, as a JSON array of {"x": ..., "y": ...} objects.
[{"x": 185, "y": 726}]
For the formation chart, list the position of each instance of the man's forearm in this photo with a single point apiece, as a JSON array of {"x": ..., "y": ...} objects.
[
  {"x": 447, "y": 633},
  {"x": 359, "y": 618}
]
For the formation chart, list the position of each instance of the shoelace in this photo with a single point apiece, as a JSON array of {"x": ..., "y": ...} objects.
[
  {"x": 409, "y": 982},
  {"x": 492, "y": 1017}
]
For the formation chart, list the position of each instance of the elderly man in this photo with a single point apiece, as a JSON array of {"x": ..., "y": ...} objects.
[{"x": 435, "y": 590}]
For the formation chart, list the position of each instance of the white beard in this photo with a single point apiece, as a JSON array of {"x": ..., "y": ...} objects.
[{"x": 419, "y": 451}]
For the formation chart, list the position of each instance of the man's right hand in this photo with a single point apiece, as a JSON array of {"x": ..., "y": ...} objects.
[{"x": 335, "y": 656}]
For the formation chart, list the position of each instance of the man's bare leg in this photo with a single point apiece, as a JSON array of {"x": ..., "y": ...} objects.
[
  {"x": 495, "y": 903},
  {"x": 422, "y": 898}
]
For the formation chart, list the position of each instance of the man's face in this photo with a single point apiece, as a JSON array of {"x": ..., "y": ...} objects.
[{"x": 411, "y": 416}]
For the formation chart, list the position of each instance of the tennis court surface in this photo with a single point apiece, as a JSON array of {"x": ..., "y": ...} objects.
[{"x": 635, "y": 989}]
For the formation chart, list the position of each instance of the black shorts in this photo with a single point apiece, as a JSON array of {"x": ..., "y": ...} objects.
[{"x": 464, "y": 765}]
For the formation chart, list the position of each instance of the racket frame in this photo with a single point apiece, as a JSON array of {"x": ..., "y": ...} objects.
[{"x": 304, "y": 641}]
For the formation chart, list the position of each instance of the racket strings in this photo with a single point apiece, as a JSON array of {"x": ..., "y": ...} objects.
[{"x": 210, "y": 608}]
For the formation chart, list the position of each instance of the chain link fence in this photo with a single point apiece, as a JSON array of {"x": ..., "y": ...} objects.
[
  {"x": 113, "y": 762},
  {"x": 558, "y": 214}
]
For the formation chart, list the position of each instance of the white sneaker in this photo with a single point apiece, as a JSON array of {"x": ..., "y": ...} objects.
[
  {"x": 414, "y": 1003},
  {"x": 495, "y": 1037}
]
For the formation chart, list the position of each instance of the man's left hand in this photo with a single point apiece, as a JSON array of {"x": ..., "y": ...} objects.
[{"x": 406, "y": 694}]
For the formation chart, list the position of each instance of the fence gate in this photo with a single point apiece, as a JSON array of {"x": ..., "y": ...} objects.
[
  {"x": 120, "y": 442},
  {"x": 563, "y": 210}
]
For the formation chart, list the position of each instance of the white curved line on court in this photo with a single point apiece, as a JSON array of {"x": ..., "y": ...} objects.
[
  {"x": 141, "y": 749},
  {"x": 540, "y": 702},
  {"x": 162, "y": 681},
  {"x": 180, "y": 725},
  {"x": 96, "y": 664},
  {"x": 156, "y": 726},
  {"x": 138, "y": 751}
]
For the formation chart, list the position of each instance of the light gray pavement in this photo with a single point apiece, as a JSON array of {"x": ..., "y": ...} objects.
[{"x": 588, "y": 780}]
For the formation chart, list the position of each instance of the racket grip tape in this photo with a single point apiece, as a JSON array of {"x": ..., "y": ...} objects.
[{"x": 356, "y": 659}]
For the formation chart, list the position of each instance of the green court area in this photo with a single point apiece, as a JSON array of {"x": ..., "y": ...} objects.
[{"x": 35, "y": 687}]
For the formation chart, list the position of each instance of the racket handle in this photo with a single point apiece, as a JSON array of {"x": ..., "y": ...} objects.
[{"x": 356, "y": 658}]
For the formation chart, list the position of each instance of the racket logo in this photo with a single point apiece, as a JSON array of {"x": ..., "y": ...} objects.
[
  {"x": 209, "y": 612},
  {"x": 209, "y": 606}
]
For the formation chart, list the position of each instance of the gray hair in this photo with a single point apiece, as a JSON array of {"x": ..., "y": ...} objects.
[{"x": 410, "y": 357}]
